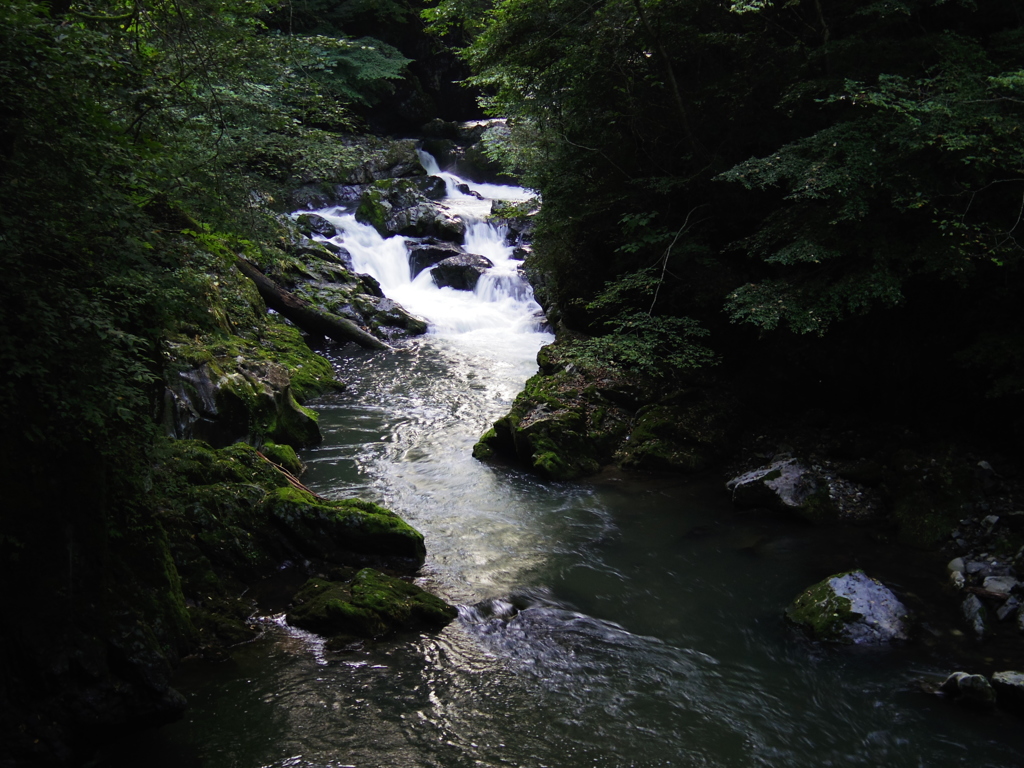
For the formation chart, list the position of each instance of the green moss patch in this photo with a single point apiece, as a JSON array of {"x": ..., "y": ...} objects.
[
  {"x": 330, "y": 528},
  {"x": 370, "y": 605},
  {"x": 822, "y": 613}
]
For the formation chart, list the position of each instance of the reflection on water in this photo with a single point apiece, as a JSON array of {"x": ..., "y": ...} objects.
[{"x": 613, "y": 624}]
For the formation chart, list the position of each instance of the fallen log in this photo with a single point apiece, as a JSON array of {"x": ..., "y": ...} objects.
[{"x": 300, "y": 312}]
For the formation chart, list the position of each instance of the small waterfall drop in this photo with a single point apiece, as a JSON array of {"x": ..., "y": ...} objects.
[{"x": 499, "y": 317}]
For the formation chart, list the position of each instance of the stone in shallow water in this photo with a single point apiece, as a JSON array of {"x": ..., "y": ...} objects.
[
  {"x": 369, "y": 605},
  {"x": 1009, "y": 686},
  {"x": 850, "y": 608},
  {"x": 971, "y": 690}
]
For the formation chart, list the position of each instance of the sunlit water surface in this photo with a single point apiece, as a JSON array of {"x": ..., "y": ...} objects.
[{"x": 615, "y": 623}]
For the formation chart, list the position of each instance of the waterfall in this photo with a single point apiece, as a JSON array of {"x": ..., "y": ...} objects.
[{"x": 498, "y": 314}]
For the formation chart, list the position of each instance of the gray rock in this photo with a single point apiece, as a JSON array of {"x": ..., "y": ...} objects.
[
  {"x": 970, "y": 690},
  {"x": 850, "y": 608},
  {"x": 1009, "y": 686},
  {"x": 311, "y": 223},
  {"x": 1001, "y": 584},
  {"x": 461, "y": 272},
  {"x": 956, "y": 565},
  {"x": 1008, "y": 609},
  {"x": 785, "y": 484},
  {"x": 430, "y": 252},
  {"x": 974, "y": 614}
]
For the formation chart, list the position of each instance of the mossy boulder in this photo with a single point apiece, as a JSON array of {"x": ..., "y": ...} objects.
[
  {"x": 331, "y": 529},
  {"x": 570, "y": 420},
  {"x": 284, "y": 456},
  {"x": 686, "y": 432},
  {"x": 227, "y": 388},
  {"x": 402, "y": 207},
  {"x": 850, "y": 608},
  {"x": 557, "y": 427},
  {"x": 370, "y": 605}
]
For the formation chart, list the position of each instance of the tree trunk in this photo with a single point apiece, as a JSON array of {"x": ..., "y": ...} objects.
[{"x": 303, "y": 315}]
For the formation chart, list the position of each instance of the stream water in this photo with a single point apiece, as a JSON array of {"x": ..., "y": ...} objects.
[{"x": 616, "y": 623}]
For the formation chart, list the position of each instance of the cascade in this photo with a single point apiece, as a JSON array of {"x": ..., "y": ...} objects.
[{"x": 500, "y": 308}]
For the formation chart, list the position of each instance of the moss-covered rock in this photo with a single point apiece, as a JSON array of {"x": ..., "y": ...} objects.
[
  {"x": 330, "y": 529},
  {"x": 568, "y": 422},
  {"x": 284, "y": 456},
  {"x": 224, "y": 389},
  {"x": 370, "y": 605},
  {"x": 405, "y": 207},
  {"x": 685, "y": 432},
  {"x": 850, "y": 608}
]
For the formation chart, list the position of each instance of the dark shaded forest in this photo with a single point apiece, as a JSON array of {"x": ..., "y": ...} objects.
[{"x": 812, "y": 204}]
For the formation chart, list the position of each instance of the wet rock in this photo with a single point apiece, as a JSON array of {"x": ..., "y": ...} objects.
[
  {"x": 1008, "y": 609},
  {"x": 310, "y": 224},
  {"x": 461, "y": 272},
  {"x": 1009, "y": 687},
  {"x": 401, "y": 207},
  {"x": 1000, "y": 584},
  {"x": 969, "y": 690},
  {"x": 787, "y": 485},
  {"x": 974, "y": 615},
  {"x": 370, "y": 605},
  {"x": 850, "y": 608},
  {"x": 226, "y": 400},
  {"x": 429, "y": 252}
]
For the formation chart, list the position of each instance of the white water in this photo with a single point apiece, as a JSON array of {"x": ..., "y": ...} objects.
[{"x": 499, "y": 319}]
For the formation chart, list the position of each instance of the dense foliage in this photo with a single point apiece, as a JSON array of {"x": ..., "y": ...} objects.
[
  {"x": 795, "y": 168},
  {"x": 123, "y": 125}
]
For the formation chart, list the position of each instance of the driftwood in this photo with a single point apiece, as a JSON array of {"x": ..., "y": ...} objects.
[
  {"x": 304, "y": 315},
  {"x": 292, "y": 479}
]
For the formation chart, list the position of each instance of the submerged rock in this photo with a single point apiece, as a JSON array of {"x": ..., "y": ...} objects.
[
  {"x": 370, "y": 605},
  {"x": 850, "y": 608}
]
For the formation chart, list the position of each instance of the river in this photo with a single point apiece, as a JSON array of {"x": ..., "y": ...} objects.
[{"x": 621, "y": 622}]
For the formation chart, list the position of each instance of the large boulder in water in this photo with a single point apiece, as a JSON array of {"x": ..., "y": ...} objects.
[
  {"x": 850, "y": 608},
  {"x": 429, "y": 252},
  {"x": 370, "y": 605},
  {"x": 787, "y": 485},
  {"x": 408, "y": 207},
  {"x": 461, "y": 272}
]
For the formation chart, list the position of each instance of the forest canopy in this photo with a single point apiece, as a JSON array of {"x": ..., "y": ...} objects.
[{"x": 807, "y": 167}]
